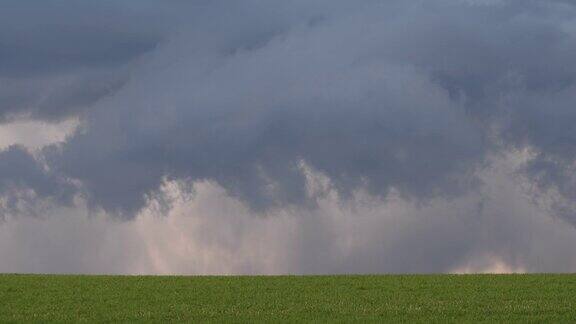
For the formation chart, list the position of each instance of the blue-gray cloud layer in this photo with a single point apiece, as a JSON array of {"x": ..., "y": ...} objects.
[
  {"x": 57, "y": 58},
  {"x": 411, "y": 96}
]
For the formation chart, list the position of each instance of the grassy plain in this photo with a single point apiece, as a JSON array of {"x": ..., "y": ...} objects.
[{"x": 404, "y": 298}]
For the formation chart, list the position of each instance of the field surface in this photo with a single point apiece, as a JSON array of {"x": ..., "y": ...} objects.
[{"x": 407, "y": 298}]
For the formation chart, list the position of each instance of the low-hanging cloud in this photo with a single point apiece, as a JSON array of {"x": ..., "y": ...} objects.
[{"x": 412, "y": 99}]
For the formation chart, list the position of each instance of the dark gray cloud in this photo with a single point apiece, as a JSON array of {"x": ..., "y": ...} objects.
[
  {"x": 387, "y": 95},
  {"x": 58, "y": 58},
  {"x": 23, "y": 179},
  {"x": 246, "y": 116},
  {"x": 413, "y": 98},
  {"x": 43, "y": 38}
]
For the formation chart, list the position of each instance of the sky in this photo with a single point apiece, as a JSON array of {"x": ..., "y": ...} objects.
[{"x": 287, "y": 136}]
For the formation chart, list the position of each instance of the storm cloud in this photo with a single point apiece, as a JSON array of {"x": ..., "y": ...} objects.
[
  {"x": 412, "y": 107},
  {"x": 58, "y": 58}
]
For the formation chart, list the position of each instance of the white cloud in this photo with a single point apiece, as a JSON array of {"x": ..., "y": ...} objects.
[
  {"x": 495, "y": 230},
  {"x": 35, "y": 134}
]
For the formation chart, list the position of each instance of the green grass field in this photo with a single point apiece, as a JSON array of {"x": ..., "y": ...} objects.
[{"x": 437, "y": 298}]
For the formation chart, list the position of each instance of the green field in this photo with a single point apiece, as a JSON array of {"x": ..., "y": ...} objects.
[{"x": 437, "y": 298}]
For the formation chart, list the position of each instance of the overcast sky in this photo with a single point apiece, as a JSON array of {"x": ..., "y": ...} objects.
[{"x": 287, "y": 136}]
